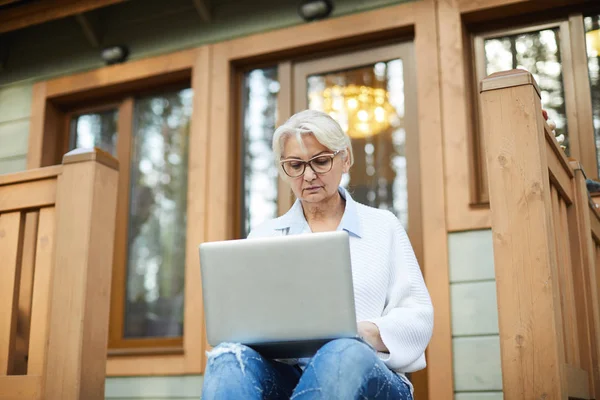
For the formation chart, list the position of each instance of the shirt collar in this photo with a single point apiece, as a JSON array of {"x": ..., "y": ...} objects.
[{"x": 296, "y": 223}]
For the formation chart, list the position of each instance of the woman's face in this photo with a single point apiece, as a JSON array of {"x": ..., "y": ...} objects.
[{"x": 311, "y": 187}]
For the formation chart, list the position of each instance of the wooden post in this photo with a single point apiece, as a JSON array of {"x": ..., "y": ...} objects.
[
  {"x": 80, "y": 290},
  {"x": 524, "y": 254},
  {"x": 586, "y": 279}
]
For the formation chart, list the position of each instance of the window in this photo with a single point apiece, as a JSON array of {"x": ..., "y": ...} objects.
[
  {"x": 368, "y": 102},
  {"x": 592, "y": 30},
  {"x": 150, "y": 135},
  {"x": 260, "y": 89},
  {"x": 551, "y": 53},
  {"x": 539, "y": 53}
]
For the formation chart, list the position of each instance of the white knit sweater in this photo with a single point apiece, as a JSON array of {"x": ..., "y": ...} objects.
[{"x": 389, "y": 289}]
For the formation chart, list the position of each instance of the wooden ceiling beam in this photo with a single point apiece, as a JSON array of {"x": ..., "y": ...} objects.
[
  {"x": 203, "y": 9},
  {"x": 36, "y": 13}
]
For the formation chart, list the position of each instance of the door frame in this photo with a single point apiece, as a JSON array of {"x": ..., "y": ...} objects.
[
  {"x": 363, "y": 57},
  {"x": 411, "y": 20}
]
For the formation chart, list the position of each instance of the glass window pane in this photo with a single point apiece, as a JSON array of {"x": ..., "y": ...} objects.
[
  {"x": 95, "y": 130},
  {"x": 259, "y": 170},
  {"x": 592, "y": 29},
  {"x": 157, "y": 217},
  {"x": 539, "y": 53},
  {"x": 368, "y": 103}
]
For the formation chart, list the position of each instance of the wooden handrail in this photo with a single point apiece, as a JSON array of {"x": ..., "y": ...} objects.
[
  {"x": 56, "y": 239},
  {"x": 546, "y": 248}
]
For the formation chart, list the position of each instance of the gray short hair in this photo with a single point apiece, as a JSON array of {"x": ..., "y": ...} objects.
[{"x": 325, "y": 129}]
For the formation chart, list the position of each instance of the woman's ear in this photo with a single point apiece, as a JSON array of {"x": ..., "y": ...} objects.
[{"x": 346, "y": 163}]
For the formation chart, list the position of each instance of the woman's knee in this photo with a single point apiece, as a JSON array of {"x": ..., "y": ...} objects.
[
  {"x": 351, "y": 352},
  {"x": 233, "y": 356}
]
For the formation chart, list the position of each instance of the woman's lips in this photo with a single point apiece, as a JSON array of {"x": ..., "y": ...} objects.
[{"x": 313, "y": 188}]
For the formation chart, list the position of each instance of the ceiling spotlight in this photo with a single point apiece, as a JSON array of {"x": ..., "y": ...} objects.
[
  {"x": 114, "y": 54},
  {"x": 311, "y": 10}
]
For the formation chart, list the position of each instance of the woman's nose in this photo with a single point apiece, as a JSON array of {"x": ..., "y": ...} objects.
[{"x": 309, "y": 174}]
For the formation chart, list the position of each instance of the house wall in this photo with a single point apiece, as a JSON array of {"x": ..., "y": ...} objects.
[
  {"x": 475, "y": 339},
  {"x": 15, "y": 110},
  {"x": 154, "y": 388}
]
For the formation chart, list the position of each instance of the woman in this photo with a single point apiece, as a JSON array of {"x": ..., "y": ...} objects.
[{"x": 393, "y": 307}]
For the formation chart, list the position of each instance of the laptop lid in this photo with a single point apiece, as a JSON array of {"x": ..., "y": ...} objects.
[{"x": 284, "y": 295}]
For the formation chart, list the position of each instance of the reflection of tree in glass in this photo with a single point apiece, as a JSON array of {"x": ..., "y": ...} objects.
[
  {"x": 260, "y": 173},
  {"x": 593, "y": 23},
  {"x": 538, "y": 53},
  {"x": 157, "y": 224},
  {"x": 95, "y": 130}
]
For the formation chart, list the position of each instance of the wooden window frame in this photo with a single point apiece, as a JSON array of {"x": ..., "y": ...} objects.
[
  {"x": 52, "y": 110},
  {"x": 458, "y": 20},
  {"x": 578, "y": 111}
]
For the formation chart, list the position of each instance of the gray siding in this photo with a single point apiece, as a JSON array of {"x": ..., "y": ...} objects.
[
  {"x": 154, "y": 388},
  {"x": 15, "y": 110},
  {"x": 476, "y": 343}
]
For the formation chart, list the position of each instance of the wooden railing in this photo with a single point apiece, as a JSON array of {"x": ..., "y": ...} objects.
[
  {"x": 546, "y": 234},
  {"x": 56, "y": 239}
]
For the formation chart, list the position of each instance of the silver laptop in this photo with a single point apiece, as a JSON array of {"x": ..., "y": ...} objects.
[{"x": 283, "y": 296}]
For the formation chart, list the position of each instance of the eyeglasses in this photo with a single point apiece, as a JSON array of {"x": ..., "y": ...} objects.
[{"x": 320, "y": 164}]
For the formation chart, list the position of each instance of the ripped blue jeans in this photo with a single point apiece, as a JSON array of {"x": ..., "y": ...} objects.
[{"x": 342, "y": 369}]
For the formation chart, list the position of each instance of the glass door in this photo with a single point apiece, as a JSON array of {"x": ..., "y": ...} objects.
[{"x": 372, "y": 94}]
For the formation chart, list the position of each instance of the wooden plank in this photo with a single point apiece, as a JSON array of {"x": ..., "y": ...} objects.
[
  {"x": 582, "y": 95},
  {"x": 80, "y": 293},
  {"x": 98, "y": 155},
  {"x": 23, "y": 387},
  {"x": 119, "y": 277},
  {"x": 466, "y": 6},
  {"x": 567, "y": 288},
  {"x": 577, "y": 149},
  {"x": 559, "y": 175},
  {"x": 31, "y": 175},
  {"x": 577, "y": 382},
  {"x": 285, "y": 197},
  {"x": 26, "y": 292},
  {"x": 149, "y": 365},
  {"x": 45, "y": 130},
  {"x": 40, "y": 302},
  {"x": 525, "y": 264},
  {"x": 11, "y": 247},
  {"x": 433, "y": 200},
  {"x": 594, "y": 224},
  {"x": 28, "y": 195},
  {"x": 560, "y": 261},
  {"x": 588, "y": 316},
  {"x": 39, "y": 12},
  {"x": 194, "y": 340},
  {"x": 121, "y": 74},
  {"x": 459, "y": 148},
  {"x": 220, "y": 201},
  {"x": 317, "y": 34}
]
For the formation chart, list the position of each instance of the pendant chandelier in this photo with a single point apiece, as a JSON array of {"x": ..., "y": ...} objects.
[{"x": 361, "y": 111}]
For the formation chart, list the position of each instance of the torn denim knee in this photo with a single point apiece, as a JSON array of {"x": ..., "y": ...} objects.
[{"x": 228, "y": 348}]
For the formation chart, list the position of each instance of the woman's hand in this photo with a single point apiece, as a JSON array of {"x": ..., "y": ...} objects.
[{"x": 370, "y": 334}]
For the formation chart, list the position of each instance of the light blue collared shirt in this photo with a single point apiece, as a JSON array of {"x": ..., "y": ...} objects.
[{"x": 293, "y": 222}]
